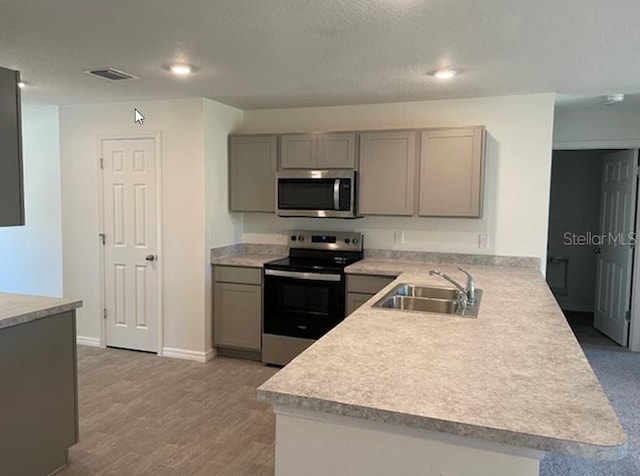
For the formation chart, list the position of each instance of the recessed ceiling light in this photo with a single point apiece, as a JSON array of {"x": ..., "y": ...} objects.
[
  {"x": 21, "y": 84},
  {"x": 612, "y": 99},
  {"x": 181, "y": 69},
  {"x": 445, "y": 73}
]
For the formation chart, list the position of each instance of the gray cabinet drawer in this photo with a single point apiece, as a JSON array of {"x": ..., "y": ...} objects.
[
  {"x": 236, "y": 274},
  {"x": 367, "y": 284}
]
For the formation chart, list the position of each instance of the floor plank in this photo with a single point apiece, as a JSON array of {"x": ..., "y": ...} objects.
[{"x": 141, "y": 414}]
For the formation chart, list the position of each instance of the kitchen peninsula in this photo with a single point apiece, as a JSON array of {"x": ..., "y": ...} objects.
[
  {"x": 38, "y": 383},
  {"x": 398, "y": 392}
]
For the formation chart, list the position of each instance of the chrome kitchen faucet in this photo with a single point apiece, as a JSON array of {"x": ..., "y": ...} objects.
[{"x": 469, "y": 292}]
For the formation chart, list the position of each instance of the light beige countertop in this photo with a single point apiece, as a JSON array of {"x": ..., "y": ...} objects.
[
  {"x": 515, "y": 375},
  {"x": 22, "y": 308},
  {"x": 387, "y": 268},
  {"x": 248, "y": 260}
]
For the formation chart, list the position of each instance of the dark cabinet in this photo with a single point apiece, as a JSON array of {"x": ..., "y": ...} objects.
[{"x": 11, "y": 181}]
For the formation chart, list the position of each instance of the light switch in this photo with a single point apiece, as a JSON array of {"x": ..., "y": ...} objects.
[
  {"x": 483, "y": 241},
  {"x": 398, "y": 238}
]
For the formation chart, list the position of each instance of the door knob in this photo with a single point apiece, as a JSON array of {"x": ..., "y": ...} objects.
[{"x": 150, "y": 257}]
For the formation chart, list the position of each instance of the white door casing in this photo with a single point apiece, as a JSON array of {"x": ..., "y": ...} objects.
[
  {"x": 615, "y": 262},
  {"x": 131, "y": 243}
]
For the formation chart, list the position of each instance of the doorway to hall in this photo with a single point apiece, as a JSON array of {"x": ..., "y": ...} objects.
[{"x": 590, "y": 248}]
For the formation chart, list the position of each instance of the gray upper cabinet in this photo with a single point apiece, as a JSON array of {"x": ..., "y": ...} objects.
[
  {"x": 387, "y": 173},
  {"x": 336, "y": 151},
  {"x": 252, "y": 169},
  {"x": 298, "y": 151},
  {"x": 318, "y": 151},
  {"x": 451, "y": 172},
  {"x": 11, "y": 182}
]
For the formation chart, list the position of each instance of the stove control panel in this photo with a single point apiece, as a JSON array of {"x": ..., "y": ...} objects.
[{"x": 331, "y": 240}]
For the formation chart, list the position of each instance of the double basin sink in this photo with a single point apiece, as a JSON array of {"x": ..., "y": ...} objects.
[{"x": 411, "y": 297}]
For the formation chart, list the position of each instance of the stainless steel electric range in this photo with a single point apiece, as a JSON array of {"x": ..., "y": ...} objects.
[{"x": 304, "y": 294}]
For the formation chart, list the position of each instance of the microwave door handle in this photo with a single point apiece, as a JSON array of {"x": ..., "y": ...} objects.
[{"x": 336, "y": 194}]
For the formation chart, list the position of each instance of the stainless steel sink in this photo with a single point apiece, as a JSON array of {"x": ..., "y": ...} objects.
[
  {"x": 411, "y": 297},
  {"x": 443, "y": 306},
  {"x": 427, "y": 292}
]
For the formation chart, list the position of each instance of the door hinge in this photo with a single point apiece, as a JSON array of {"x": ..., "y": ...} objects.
[
  {"x": 104, "y": 313},
  {"x": 101, "y": 163},
  {"x": 103, "y": 238},
  {"x": 627, "y": 316}
]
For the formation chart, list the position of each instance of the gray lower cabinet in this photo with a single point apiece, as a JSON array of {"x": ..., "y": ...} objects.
[
  {"x": 355, "y": 300},
  {"x": 334, "y": 150},
  {"x": 252, "y": 173},
  {"x": 387, "y": 173},
  {"x": 361, "y": 288},
  {"x": 238, "y": 308},
  {"x": 451, "y": 172},
  {"x": 11, "y": 181},
  {"x": 39, "y": 395}
]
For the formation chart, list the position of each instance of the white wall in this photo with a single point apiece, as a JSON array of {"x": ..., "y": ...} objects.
[
  {"x": 181, "y": 124},
  {"x": 221, "y": 227},
  {"x": 518, "y": 175},
  {"x": 31, "y": 255},
  {"x": 607, "y": 127}
]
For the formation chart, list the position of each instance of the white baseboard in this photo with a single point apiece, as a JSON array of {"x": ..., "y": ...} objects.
[
  {"x": 187, "y": 354},
  {"x": 88, "y": 341}
]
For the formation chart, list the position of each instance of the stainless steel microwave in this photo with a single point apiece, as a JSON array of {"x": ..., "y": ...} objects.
[{"x": 317, "y": 193}]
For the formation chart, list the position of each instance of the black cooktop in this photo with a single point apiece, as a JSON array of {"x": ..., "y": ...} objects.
[
  {"x": 301, "y": 264},
  {"x": 317, "y": 261}
]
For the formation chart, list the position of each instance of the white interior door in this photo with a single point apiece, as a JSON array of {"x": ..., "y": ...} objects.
[
  {"x": 617, "y": 220},
  {"x": 130, "y": 250}
]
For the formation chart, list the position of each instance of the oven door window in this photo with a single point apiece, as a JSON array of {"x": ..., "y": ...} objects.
[
  {"x": 301, "y": 308},
  {"x": 306, "y": 194}
]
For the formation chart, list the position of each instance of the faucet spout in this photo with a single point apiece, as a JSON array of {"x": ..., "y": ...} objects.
[
  {"x": 469, "y": 292},
  {"x": 446, "y": 277}
]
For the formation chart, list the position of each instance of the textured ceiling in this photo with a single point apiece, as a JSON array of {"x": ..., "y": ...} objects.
[{"x": 282, "y": 53}]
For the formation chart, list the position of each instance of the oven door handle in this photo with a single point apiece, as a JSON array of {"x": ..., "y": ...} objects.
[
  {"x": 304, "y": 276},
  {"x": 336, "y": 194}
]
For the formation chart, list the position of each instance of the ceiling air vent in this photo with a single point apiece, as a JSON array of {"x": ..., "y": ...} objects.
[{"x": 111, "y": 74}]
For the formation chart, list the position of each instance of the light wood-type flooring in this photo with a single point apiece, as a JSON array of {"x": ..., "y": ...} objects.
[{"x": 145, "y": 415}]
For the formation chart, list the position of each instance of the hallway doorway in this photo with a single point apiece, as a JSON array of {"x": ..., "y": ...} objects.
[{"x": 590, "y": 242}]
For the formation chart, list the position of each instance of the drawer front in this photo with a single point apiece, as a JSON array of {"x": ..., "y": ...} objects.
[
  {"x": 367, "y": 284},
  {"x": 236, "y": 274}
]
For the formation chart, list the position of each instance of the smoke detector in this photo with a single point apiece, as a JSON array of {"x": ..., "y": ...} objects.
[
  {"x": 612, "y": 99},
  {"x": 111, "y": 74}
]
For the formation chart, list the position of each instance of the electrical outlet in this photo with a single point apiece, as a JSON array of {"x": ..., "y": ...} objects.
[
  {"x": 398, "y": 238},
  {"x": 483, "y": 241}
]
